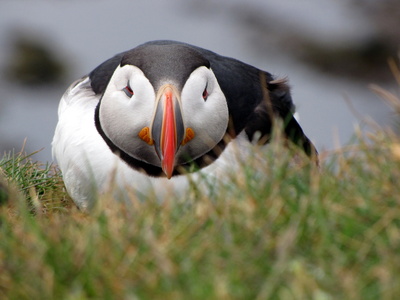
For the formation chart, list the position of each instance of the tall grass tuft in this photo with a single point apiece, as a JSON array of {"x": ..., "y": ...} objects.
[{"x": 40, "y": 184}]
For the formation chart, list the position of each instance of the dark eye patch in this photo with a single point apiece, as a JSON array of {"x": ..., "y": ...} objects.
[
  {"x": 128, "y": 90},
  {"x": 205, "y": 94}
]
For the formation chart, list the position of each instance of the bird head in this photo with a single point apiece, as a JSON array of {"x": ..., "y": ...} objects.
[{"x": 163, "y": 106}]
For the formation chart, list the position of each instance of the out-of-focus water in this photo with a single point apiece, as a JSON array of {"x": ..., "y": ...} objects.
[{"x": 85, "y": 33}]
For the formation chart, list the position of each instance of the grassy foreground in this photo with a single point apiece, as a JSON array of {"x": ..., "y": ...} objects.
[{"x": 277, "y": 230}]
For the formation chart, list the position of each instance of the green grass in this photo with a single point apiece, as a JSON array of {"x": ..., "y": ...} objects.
[
  {"x": 277, "y": 230},
  {"x": 35, "y": 182}
]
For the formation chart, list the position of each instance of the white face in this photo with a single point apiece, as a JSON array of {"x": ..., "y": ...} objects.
[
  {"x": 123, "y": 116},
  {"x": 208, "y": 117}
]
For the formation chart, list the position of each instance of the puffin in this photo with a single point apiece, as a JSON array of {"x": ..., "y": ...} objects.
[{"x": 148, "y": 117}]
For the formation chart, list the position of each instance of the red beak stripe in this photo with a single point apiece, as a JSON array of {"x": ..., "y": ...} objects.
[{"x": 168, "y": 135}]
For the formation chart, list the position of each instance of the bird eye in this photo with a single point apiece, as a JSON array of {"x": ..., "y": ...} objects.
[
  {"x": 205, "y": 94},
  {"x": 128, "y": 90}
]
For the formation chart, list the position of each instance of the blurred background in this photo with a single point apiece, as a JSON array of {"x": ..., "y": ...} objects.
[{"x": 330, "y": 51}]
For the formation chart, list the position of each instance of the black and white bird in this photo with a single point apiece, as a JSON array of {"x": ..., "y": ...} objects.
[{"x": 149, "y": 114}]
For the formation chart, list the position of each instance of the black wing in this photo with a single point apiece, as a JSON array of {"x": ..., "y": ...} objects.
[{"x": 255, "y": 98}]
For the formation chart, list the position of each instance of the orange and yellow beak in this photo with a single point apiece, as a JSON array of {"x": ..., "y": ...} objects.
[{"x": 167, "y": 131}]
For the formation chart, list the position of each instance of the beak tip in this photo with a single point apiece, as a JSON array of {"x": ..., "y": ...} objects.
[{"x": 168, "y": 171}]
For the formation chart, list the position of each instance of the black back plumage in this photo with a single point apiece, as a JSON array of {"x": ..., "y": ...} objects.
[{"x": 253, "y": 96}]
